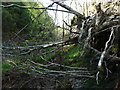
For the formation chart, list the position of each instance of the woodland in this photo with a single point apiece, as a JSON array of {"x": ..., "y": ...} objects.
[{"x": 37, "y": 53}]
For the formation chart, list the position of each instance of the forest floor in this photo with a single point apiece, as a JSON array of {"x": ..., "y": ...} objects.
[
  {"x": 14, "y": 78},
  {"x": 18, "y": 79}
]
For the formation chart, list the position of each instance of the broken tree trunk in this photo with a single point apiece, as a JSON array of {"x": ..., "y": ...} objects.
[{"x": 70, "y": 9}]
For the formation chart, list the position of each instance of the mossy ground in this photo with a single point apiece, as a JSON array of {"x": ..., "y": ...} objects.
[{"x": 67, "y": 55}]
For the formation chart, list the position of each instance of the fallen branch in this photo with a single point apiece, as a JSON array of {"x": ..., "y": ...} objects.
[
  {"x": 70, "y": 9},
  {"x": 97, "y": 77},
  {"x": 65, "y": 66},
  {"x": 38, "y": 47},
  {"x": 79, "y": 70},
  {"x": 113, "y": 58},
  {"x": 28, "y": 7},
  {"x": 106, "y": 29},
  {"x": 54, "y": 72},
  {"x": 105, "y": 50},
  {"x": 87, "y": 41}
]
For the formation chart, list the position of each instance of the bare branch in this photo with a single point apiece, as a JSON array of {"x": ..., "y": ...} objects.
[
  {"x": 38, "y": 47},
  {"x": 70, "y": 9},
  {"x": 65, "y": 66},
  {"x": 48, "y": 71},
  {"x": 28, "y": 7},
  {"x": 87, "y": 40},
  {"x": 105, "y": 50},
  {"x": 107, "y": 70},
  {"x": 97, "y": 77},
  {"x": 113, "y": 58}
]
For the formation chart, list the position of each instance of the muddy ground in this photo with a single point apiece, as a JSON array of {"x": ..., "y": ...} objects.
[
  {"x": 19, "y": 80},
  {"x": 16, "y": 79}
]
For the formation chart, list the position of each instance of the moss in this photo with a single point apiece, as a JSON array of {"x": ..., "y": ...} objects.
[
  {"x": 5, "y": 67},
  {"x": 48, "y": 56},
  {"x": 71, "y": 54}
]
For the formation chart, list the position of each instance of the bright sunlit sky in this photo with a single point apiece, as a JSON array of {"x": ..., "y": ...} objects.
[{"x": 58, "y": 17}]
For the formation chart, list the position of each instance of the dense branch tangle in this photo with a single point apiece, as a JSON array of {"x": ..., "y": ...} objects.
[{"x": 90, "y": 34}]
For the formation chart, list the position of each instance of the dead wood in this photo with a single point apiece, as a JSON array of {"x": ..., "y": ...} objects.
[{"x": 70, "y": 9}]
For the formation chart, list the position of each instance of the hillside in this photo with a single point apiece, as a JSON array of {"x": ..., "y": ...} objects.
[{"x": 39, "y": 54}]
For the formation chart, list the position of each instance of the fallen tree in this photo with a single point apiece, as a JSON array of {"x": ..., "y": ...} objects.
[{"x": 99, "y": 33}]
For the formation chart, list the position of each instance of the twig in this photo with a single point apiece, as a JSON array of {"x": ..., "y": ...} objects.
[
  {"x": 26, "y": 83},
  {"x": 41, "y": 65},
  {"x": 107, "y": 70},
  {"x": 67, "y": 24}
]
